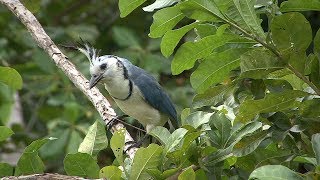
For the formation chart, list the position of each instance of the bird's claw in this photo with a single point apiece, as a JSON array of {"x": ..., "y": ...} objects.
[
  {"x": 114, "y": 121},
  {"x": 134, "y": 145}
]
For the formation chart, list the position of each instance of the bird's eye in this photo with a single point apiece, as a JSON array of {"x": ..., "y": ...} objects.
[{"x": 103, "y": 66}]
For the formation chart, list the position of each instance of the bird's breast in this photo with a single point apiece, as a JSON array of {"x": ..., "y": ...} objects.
[{"x": 137, "y": 108}]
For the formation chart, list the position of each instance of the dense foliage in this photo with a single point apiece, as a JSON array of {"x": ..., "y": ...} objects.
[{"x": 255, "y": 73}]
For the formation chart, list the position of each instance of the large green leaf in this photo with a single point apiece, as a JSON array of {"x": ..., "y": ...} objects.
[
  {"x": 249, "y": 143},
  {"x": 300, "y": 5},
  {"x": 95, "y": 140},
  {"x": 243, "y": 14},
  {"x": 10, "y": 77},
  {"x": 164, "y": 20},
  {"x": 196, "y": 119},
  {"x": 5, "y": 132},
  {"x": 275, "y": 172},
  {"x": 30, "y": 162},
  {"x": 175, "y": 139},
  {"x": 110, "y": 172},
  {"x": 316, "y": 146},
  {"x": 144, "y": 159},
  {"x": 127, "y": 6},
  {"x": 211, "y": 97},
  {"x": 179, "y": 156},
  {"x": 189, "y": 52},
  {"x": 271, "y": 103},
  {"x": 172, "y": 38},
  {"x": 291, "y": 31},
  {"x": 220, "y": 130},
  {"x": 81, "y": 164},
  {"x": 202, "y": 9},
  {"x": 187, "y": 174},
  {"x": 117, "y": 144},
  {"x": 217, "y": 156},
  {"x": 215, "y": 68},
  {"x": 161, "y": 133},
  {"x": 238, "y": 133},
  {"x": 258, "y": 63}
]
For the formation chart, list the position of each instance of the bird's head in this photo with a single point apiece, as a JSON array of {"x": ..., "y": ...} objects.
[{"x": 102, "y": 68}]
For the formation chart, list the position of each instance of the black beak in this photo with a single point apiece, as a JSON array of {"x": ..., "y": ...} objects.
[{"x": 94, "y": 80}]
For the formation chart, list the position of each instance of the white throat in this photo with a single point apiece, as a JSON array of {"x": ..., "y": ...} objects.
[{"x": 118, "y": 88}]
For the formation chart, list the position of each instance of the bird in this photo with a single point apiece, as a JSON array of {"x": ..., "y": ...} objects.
[{"x": 136, "y": 92}]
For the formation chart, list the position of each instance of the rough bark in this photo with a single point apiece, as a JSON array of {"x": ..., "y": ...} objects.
[{"x": 44, "y": 41}]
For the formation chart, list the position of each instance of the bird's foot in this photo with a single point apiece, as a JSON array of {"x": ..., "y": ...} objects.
[
  {"x": 115, "y": 120},
  {"x": 135, "y": 144}
]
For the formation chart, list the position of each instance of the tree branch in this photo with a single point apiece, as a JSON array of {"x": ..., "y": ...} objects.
[{"x": 44, "y": 41}]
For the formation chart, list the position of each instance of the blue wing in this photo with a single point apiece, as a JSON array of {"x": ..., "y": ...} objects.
[{"x": 152, "y": 92}]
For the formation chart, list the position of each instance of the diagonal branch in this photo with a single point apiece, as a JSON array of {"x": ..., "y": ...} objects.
[{"x": 44, "y": 41}]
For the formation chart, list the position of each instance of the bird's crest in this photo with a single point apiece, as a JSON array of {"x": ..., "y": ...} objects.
[{"x": 87, "y": 49}]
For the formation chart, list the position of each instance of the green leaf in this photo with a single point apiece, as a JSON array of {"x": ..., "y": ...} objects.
[
  {"x": 307, "y": 108},
  {"x": 117, "y": 144},
  {"x": 302, "y": 159},
  {"x": 172, "y": 38},
  {"x": 95, "y": 140},
  {"x": 5, "y": 133},
  {"x": 291, "y": 31},
  {"x": 164, "y": 20},
  {"x": 81, "y": 164},
  {"x": 74, "y": 142},
  {"x": 10, "y": 77},
  {"x": 189, "y": 52},
  {"x": 271, "y": 103},
  {"x": 187, "y": 174},
  {"x": 211, "y": 96},
  {"x": 158, "y": 4},
  {"x": 242, "y": 12},
  {"x": 175, "y": 139},
  {"x": 215, "y": 68},
  {"x": 6, "y": 170},
  {"x": 110, "y": 172},
  {"x": 221, "y": 129},
  {"x": 145, "y": 158},
  {"x": 238, "y": 133},
  {"x": 197, "y": 118},
  {"x": 217, "y": 156},
  {"x": 300, "y": 5},
  {"x": 258, "y": 63},
  {"x": 274, "y": 172},
  {"x": 30, "y": 162},
  {"x": 179, "y": 156},
  {"x": 316, "y": 146},
  {"x": 125, "y": 37},
  {"x": 161, "y": 133},
  {"x": 127, "y": 6},
  {"x": 249, "y": 143},
  {"x": 203, "y": 8}
]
